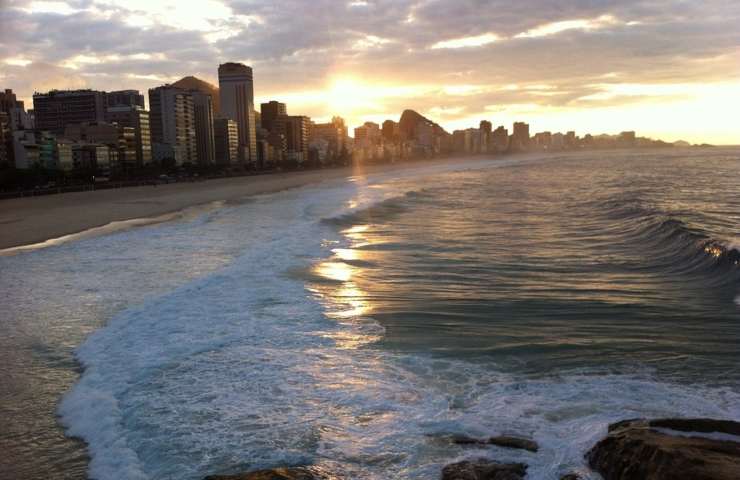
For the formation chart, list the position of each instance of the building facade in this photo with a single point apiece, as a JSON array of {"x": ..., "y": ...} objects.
[
  {"x": 226, "y": 141},
  {"x": 172, "y": 123},
  {"x": 54, "y": 110},
  {"x": 236, "y": 92},
  {"x": 138, "y": 119},
  {"x": 204, "y": 136},
  {"x": 128, "y": 98},
  {"x": 270, "y": 112}
]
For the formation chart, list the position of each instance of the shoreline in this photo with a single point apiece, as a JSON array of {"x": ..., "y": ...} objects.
[
  {"x": 36, "y": 222},
  {"x": 28, "y": 223}
]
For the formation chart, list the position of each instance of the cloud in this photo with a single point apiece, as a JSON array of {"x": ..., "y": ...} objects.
[{"x": 460, "y": 55}]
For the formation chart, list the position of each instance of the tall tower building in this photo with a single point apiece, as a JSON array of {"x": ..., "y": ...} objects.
[
  {"x": 172, "y": 119},
  {"x": 236, "y": 92}
]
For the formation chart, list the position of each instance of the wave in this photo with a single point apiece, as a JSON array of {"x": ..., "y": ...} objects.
[
  {"x": 378, "y": 210},
  {"x": 672, "y": 244}
]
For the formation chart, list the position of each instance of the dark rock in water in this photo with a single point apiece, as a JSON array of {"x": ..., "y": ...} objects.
[
  {"x": 636, "y": 449},
  {"x": 482, "y": 469},
  {"x": 296, "y": 473},
  {"x": 571, "y": 476},
  {"x": 514, "y": 442},
  {"x": 506, "y": 441},
  {"x": 465, "y": 440}
]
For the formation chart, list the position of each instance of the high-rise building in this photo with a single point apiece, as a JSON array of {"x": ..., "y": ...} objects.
[
  {"x": 18, "y": 119},
  {"x": 296, "y": 135},
  {"x": 130, "y": 98},
  {"x": 485, "y": 136},
  {"x": 368, "y": 134},
  {"x": 500, "y": 139},
  {"x": 270, "y": 112},
  {"x": 236, "y": 91},
  {"x": 391, "y": 131},
  {"x": 226, "y": 141},
  {"x": 333, "y": 132},
  {"x": 6, "y": 141},
  {"x": 56, "y": 109},
  {"x": 138, "y": 119},
  {"x": 172, "y": 120},
  {"x": 520, "y": 137},
  {"x": 203, "y": 111}
]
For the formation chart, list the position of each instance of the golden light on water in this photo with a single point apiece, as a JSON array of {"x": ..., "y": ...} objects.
[{"x": 346, "y": 301}]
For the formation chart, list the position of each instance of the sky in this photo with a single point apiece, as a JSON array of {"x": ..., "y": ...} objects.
[{"x": 668, "y": 69}]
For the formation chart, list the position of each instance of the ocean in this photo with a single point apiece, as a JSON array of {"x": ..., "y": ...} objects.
[{"x": 357, "y": 324}]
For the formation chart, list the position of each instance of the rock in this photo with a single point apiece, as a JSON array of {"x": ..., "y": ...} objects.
[
  {"x": 571, "y": 476},
  {"x": 465, "y": 440},
  {"x": 482, "y": 469},
  {"x": 296, "y": 473},
  {"x": 642, "y": 449},
  {"x": 514, "y": 442},
  {"x": 505, "y": 441}
]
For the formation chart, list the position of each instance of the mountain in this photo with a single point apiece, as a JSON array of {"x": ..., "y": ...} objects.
[
  {"x": 194, "y": 83},
  {"x": 410, "y": 119}
]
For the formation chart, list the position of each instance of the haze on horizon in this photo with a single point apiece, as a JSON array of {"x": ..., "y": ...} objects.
[{"x": 668, "y": 69}]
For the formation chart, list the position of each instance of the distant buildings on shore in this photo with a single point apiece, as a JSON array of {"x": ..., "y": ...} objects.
[{"x": 192, "y": 125}]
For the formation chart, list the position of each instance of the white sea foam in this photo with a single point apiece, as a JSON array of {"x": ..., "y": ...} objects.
[{"x": 242, "y": 368}]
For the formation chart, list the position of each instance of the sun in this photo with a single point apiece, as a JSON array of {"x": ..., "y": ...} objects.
[{"x": 347, "y": 94}]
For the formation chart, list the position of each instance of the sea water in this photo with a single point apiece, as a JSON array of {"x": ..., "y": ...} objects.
[{"x": 357, "y": 324}]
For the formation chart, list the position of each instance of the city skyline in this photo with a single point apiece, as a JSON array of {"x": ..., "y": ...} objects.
[{"x": 667, "y": 70}]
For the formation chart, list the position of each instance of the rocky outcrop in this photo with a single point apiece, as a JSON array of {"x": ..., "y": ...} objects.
[
  {"x": 669, "y": 449},
  {"x": 482, "y": 469},
  {"x": 505, "y": 441},
  {"x": 296, "y": 473}
]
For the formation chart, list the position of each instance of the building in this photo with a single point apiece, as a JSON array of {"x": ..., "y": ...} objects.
[
  {"x": 25, "y": 150},
  {"x": 296, "y": 137},
  {"x": 120, "y": 140},
  {"x": 627, "y": 139},
  {"x": 17, "y": 118},
  {"x": 500, "y": 139},
  {"x": 91, "y": 156},
  {"x": 172, "y": 118},
  {"x": 519, "y": 137},
  {"x": 391, "y": 132},
  {"x": 334, "y": 133},
  {"x": 138, "y": 119},
  {"x": 128, "y": 98},
  {"x": 486, "y": 128},
  {"x": 542, "y": 140},
  {"x": 367, "y": 135},
  {"x": 226, "y": 141},
  {"x": 270, "y": 113},
  {"x": 204, "y": 139},
  {"x": 55, "y": 110},
  {"x": 6, "y": 141},
  {"x": 236, "y": 92}
]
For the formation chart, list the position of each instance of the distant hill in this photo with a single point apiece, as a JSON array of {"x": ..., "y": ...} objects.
[
  {"x": 410, "y": 119},
  {"x": 681, "y": 143},
  {"x": 194, "y": 83}
]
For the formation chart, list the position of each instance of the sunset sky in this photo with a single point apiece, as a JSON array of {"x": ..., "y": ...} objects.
[{"x": 668, "y": 69}]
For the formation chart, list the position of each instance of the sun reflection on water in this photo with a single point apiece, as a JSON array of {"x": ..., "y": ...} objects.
[{"x": 346, "y": 302}]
